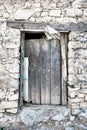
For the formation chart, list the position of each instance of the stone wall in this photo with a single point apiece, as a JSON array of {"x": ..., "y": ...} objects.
[{"x": 55, "y": 11}]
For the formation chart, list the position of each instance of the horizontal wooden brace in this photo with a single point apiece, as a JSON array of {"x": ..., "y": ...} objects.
[{"x": 23, "y": 25}]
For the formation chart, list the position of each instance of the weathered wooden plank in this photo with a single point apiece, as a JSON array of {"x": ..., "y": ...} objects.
[
  {"x": 45, "y": 73},
  {"x": 22, "y": 40},
  {"x": 38, "y": 70},
  {"x": 81, "y": 26},
  {"x": 55, "y": 72},
  {"x": 35, "y": 71},
  {"x": 46, "y": 48},
  {"x": 32, "y": 72},
  {"x": 64, "y": 38}
]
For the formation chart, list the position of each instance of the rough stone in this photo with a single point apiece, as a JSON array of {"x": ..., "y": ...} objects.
[
  {"x": 72, "y": 118},
  {"x": 52, "y": 6},
  {"x": 80, "y": 4},
  {"x": 1, "y": 115},
  {"x": 75, "y": 111},
  {"x": 2, "y": 95},
  {"x": 75, "y": 100},
  {"x": 85, "y": 97},
  {"x": 69, "y": 128},
  {"x": 44, "y": 14},
  {"x": 8, "y": 104},
  {"x": 83, "y": 104},
  {"x": 11, "y": 111},
  {"x": 33, "y": 115},
  {"x": 72, "y": 95},
  {"x": 80, "y": 95},
  {"x": 55, "y": 13},
  {"x": 84, "y": 91},
  {"x": 74, "y": 12},
  {"x": 26, "y": 13},
  {"x": 13, "y": 68},
  {"x": 13, "y": 97},
  {"x": 58, "y": 117},
  {"x": 73, "y": 89},
  {"x": 85, "y": 12},
  {"x": 66, "y": 20}
]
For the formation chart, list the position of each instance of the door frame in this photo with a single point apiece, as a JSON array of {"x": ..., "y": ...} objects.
[{"x": 64, "y": 64}]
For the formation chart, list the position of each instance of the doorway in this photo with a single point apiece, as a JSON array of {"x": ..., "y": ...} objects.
[{"x": 44, "y": 70}]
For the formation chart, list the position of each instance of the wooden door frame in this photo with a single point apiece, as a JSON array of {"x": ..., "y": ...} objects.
[
  {"x": 39, "y": 28},
  {"x": 64, "y": 65}
]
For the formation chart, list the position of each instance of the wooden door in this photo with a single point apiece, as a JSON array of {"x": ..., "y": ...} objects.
[{"x": 44, "y": 71}]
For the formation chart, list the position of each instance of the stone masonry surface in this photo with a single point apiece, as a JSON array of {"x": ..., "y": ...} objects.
[{"x": 51, "y": 11}]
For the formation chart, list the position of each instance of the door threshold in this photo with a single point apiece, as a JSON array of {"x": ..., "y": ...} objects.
[{"x": 44, "y": 106}]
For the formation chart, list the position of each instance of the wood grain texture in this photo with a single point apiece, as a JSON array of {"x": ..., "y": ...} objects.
[
  {"x": 55, "y": 72},
  {"x": 22, "y": 40},
  {"x": 45, "y": 73},
  {"x": 64, "y": 38},
  {"x": 28, "y": 26}
]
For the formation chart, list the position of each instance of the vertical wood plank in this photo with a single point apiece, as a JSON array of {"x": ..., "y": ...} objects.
[
  {"x": 37, "y": 45},
  {"x": 55, "y": 72},
  {"x": 48, "y": 73},
  {"x": 22, "y": 40},
  {"x": 45, "y": 73},
  {"x": 35, "y": 71},
  {"x": 64, "y": 38},
  {"x": 32, "y": 72}
]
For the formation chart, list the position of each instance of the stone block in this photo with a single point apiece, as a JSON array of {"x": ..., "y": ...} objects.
[
  {"x": 72, "y": 118},
  {"x": 23, "y": 14},
  {"x": 0, "y": 46},
  {"x": 14, "y": 84},
  {"x": 73, "y": 105},
  {"x": 26, "y": 13},
  {"x": 37, "y": 5},
  {"x": 84, "y": 115},
  {"x": 2, "y": 95},
  {"x": 13, "y": 68},
  {"x": 75, "y": 100},
  {"x": 75, "y": 111},
  {"x": 70, "y": 90},
  {"x": 85, "y": 12},
  {"x": 82, "y": 19},
  {"x": 59, "y": 4},
  {"x": 83, "y": 104},
  {"x": 85, "y": 97},
  {"x": 1, "y": 115},
  {"x": 74, "y": 12},
  {"x": 80, "y": 95},
  {"x": 84, "y": 91},
  {"x": 66, "y": 20},
  {"x": 8, "y": 104},
  {"x": 44, "y": 14},
  {"x": 13, "y": 97},
  {"x": 58, "y": 117},
  {"x": 11, "y": 111},
  {"x": 55, "y": 13},
  {"x": 52, "y": 6},
  {"x": 79, "y": 4},
  {"x": 72, "y": 94},
  {"x": 2, "y": 111}
]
